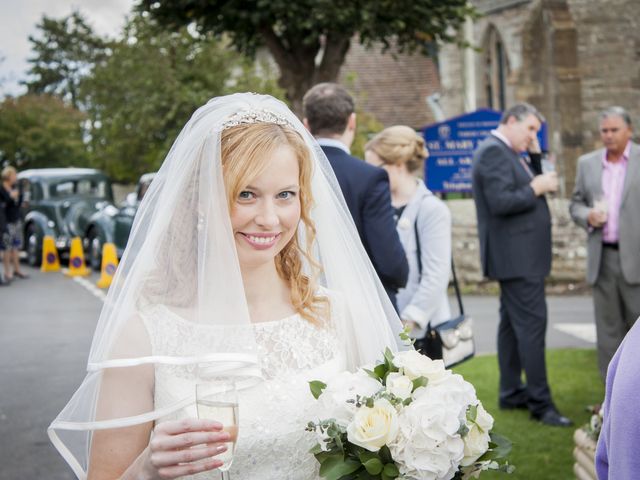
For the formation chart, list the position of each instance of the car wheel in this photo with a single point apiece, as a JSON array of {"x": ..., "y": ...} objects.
[
  {"x": 34, "y": 246},
  {"x": 95, "y": 243}
]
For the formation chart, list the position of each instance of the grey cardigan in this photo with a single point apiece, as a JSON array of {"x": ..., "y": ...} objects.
[{"x": 424, "y": 299}]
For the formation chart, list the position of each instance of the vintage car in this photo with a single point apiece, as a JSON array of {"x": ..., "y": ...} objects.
[
  {"x": 113, "y": 225},
  {"x": 59, "y": 202}
]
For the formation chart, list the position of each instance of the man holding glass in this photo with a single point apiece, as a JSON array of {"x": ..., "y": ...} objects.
[
  {"x": 514, "y": 229},
  {"x": 605, "y": 202}
]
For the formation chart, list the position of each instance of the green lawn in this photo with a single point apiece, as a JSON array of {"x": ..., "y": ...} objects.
[{"x": 540, "y": 452}]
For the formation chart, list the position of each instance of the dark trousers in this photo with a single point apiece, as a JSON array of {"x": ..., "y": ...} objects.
[{"x": 521, "y": 342}]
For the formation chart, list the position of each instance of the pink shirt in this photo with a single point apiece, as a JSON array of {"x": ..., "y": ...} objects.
[{"x": 613, "y": 174}]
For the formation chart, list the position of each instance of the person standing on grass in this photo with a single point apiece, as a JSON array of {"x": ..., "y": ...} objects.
[
  {"x": 605, "y": 203},
  {"x": 514, "y": 228}
]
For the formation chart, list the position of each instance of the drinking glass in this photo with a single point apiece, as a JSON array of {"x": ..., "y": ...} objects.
[
  {"x": 600, "y": 203},
  {"x": 548, "y": 163},
  {"x": 218, "y": 400}
]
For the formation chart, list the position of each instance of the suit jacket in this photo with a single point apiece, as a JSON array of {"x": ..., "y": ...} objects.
[
  {"x": 588, "y": 185},
  {"x": 366, "y": 192},
  {"x": 514, "y": 225}
]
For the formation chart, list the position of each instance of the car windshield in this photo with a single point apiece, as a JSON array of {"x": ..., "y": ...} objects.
[{"x": 88, "y": 187}]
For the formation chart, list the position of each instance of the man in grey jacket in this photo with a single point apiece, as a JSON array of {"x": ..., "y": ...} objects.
[{"x": 605, "y": 202}]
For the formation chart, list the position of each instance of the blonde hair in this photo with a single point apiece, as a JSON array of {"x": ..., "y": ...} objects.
[
  {"x": 246, "y": 149},
  {"x": 7, "y": 172},
  {"x": 399, "y": 145}
]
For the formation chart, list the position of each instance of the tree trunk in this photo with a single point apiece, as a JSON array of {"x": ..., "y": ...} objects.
[{"x": 298, "y": 69}]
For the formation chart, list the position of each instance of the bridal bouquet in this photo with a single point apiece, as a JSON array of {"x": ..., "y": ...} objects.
[{"x": 405, "y": 418}]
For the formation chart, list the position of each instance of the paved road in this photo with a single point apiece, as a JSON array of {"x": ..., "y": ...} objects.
[{"x": 46, "y": 326}]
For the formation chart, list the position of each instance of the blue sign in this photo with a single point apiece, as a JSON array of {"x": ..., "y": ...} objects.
[{"x": 451, "y": 145}]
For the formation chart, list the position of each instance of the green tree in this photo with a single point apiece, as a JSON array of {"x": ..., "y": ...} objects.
[
  {"x": 64, "y": 53},
  {"x": 148, "y": 88},
  {"x": 39, "y": 131},
  {"x": 309, "y": 39}
]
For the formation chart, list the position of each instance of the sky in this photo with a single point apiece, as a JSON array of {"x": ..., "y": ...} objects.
[{"x": 19, "y": 19}]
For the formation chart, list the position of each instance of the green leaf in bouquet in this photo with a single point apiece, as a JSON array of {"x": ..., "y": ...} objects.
[
  {"x": 405, "y": 336},
  {"x": 419, "y": 382},
  {"x": 317, "y": 387},
  {"x": 381, "y": 371},
  {"x": 385, "y": 454},
  {"x": 499, "y": 447},
  {"x": 390, "y": 471},
  {"x": 335, "y": 467},
  {"x": 463, "y": 429},
  {"x": 373, "y": 466},
  {"x": 364, "y": 475},
  {"x": 388, "y": 360},
  {"x": 373, "y": 374},
  {"x": 316, "y": 450},
  {"x": 472, "y": 413}
]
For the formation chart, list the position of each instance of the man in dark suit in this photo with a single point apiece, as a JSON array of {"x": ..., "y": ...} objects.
[
  {"x": 514, "y": 229},
  {"x": 329, "y": 114}
]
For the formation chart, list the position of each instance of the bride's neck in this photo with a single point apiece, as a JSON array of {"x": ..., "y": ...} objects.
[{"x": 268, "y": 295}]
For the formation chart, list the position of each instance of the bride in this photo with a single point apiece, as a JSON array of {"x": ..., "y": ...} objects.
[{"x": 243, "y": 263}]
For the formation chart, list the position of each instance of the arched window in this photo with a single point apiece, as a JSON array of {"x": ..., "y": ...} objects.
[{"x": 496, "y": 69}]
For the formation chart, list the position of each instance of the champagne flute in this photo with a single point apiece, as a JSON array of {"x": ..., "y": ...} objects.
[{"x": 218, "y": 400}]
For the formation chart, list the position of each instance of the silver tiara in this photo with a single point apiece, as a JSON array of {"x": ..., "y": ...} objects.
[{"x": 255, "y": 116}]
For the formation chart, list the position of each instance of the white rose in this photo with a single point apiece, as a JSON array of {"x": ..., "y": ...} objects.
[
  {"x": 476, "y": 442},
  {"x": 343, "y": 387},
  {"x": 372, "y": 428},
  {"x": 399, "y": 385},
  {"x": 414, "y": 365}
]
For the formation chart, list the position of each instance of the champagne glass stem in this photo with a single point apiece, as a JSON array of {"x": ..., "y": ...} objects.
[{"x": 225, "y": 475}]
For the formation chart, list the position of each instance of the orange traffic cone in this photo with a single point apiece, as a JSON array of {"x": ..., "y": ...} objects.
[
  {"x": 77, "y": 267},
  {"x": 50, "y": 258},
  {"x": 109, "y": 265}
]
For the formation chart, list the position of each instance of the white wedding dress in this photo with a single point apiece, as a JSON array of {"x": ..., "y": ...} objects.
[{"x": 272, "y": 442}]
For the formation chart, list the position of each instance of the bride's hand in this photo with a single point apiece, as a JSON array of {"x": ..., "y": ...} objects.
[{"x": 184, "y": 447}]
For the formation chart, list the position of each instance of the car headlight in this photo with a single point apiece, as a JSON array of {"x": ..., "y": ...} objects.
[{"x": 51, "y": 224}]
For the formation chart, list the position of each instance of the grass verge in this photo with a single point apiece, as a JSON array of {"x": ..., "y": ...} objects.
[{"x": 540, "y": 452}]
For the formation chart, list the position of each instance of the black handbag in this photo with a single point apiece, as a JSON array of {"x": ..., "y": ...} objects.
[{"x": 452, "y": 341}]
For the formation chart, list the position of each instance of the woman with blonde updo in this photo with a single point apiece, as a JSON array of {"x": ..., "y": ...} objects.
[{"x": 423, "y": 223}]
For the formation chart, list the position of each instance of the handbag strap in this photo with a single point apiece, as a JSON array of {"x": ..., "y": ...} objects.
[{"x": 456, "y": 286}]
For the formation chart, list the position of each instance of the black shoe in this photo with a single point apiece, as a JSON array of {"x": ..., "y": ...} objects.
[
  {"x": 552, "y": 418},
  {"x": 512, "y": 406}
]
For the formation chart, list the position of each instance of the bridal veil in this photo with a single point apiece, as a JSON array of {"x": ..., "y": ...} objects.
[{"x": 181, "y": 254}]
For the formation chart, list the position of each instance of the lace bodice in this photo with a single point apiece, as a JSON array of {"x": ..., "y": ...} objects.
[{"x": 272, "y": 443}]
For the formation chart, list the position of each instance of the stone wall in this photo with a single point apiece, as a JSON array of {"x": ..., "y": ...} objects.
[
  {"x": 569, "y": 244},
  {"x": 571, "y": 58}
]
